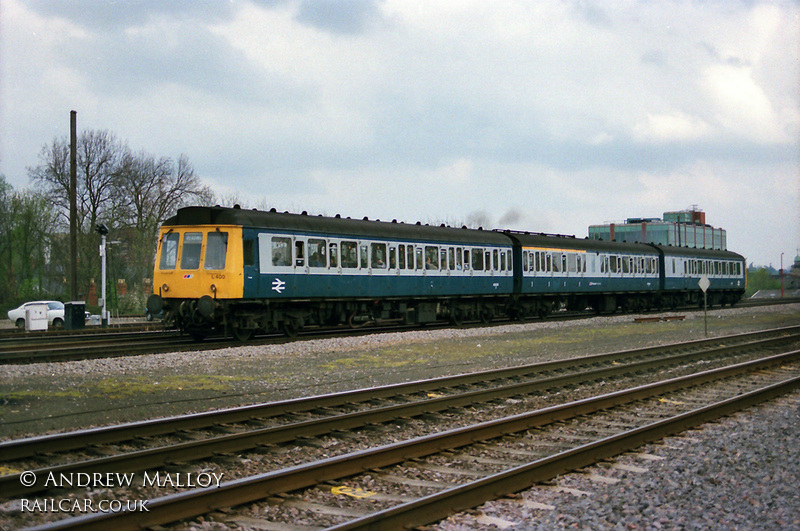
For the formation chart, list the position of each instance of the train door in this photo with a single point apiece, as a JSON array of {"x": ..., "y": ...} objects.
[{"x": 250, "y": 262}]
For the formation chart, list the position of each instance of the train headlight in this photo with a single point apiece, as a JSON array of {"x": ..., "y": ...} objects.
[{"x": 164, "y": 288}]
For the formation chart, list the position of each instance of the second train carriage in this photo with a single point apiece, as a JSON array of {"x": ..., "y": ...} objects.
[
  {"x": 246, "y": 271},
  {"x": 554, "y": 271}
]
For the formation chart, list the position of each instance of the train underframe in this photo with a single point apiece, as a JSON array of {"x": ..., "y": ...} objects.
[{"x": 244, "y": 318}]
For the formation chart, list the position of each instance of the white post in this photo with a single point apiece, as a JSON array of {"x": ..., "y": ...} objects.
[{"x": 103, "y": 313}]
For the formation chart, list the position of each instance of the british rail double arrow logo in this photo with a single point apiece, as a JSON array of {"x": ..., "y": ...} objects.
[{"x": 278, "y": 285}]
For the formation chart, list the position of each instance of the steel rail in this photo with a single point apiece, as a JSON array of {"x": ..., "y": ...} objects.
[
  {"x": 65, "y": 441},
  {"x": 200, "y": 501},
  {"x": 193, "y": 450},
  {"x": 441, "y": 505}
]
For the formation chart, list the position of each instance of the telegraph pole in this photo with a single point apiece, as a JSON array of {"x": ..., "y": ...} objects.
[{"x": 73, "y": 204}]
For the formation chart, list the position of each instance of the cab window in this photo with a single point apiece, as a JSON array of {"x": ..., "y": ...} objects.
[
  {"x": 192, "y": 245},
  {"x": 169, "y": 250},
  {"x": 216, "y": 250}
]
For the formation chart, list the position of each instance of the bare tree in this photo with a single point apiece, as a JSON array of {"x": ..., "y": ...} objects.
[
  {"x": 130, "y": 193},
  {"x": 99, "y": 154}
]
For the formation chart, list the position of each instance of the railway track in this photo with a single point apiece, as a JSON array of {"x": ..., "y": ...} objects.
[
  {"x": 456, "y": 392},
  {"x": 18, "y": 348},
  {"x": 42, "y": 348}
]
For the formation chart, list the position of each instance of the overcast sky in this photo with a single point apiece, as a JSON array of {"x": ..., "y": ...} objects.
[{"x": 539, "y": 115}]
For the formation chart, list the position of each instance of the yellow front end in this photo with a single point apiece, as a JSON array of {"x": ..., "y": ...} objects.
[{"x": 194, "y": 261}]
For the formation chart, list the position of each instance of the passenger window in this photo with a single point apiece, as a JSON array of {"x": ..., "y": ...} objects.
[
  {"x": 392, "y": 257},
  {"x": 379, "y": 255},
  {"x": 502, "y": 261},
  {"x": 216, "y": 250},
  {"x": 410, "y": 257},
  {"x": 192, "y": 245},
  {"x": 418, "y": 254},
  {"x": 451, "y": 255},
  {"x": 363, "y": 256},
  {"x": 477, "y": 260},
  {"x": 525, "y": 261},
  {"x": 333, "y": 255},
  {"x": 402, "y": 256},
  {"x": 466, "y": 259},
  {"x": 350, "y": 255},
  {"x": 459, "y": 255},
  {"x": 169, "y": 250},
  {"x": 281, "y": 251},
  {"x": 431, "y": 258},
  {"x": 495, "y": 260},
  {"x": 443, "y": 262},
  {"x": 316, "y": 253},
  {"x": 572, "y": 263}
]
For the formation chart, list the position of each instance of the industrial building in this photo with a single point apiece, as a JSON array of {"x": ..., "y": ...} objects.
[{"x": 685, "y": 228}]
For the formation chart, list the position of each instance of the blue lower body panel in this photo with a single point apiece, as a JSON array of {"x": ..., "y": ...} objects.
[{"x": 308, "y": 286}]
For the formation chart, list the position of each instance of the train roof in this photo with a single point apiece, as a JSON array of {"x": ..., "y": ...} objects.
[
  {"x": 557, "y": 241},
  {"x": 709, "y": 254},
  {"x": 339, "y": 226}
]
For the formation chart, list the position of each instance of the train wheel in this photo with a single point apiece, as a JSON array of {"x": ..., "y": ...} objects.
[
  {"x": 457, "y": 317},
  {"x": 290, "y": 328},
  {"x": 242, "y": 334},
  {"x": 487, "y": 314}
]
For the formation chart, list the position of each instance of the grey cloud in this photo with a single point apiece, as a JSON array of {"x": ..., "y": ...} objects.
[
  {"x": 654, "y": 57},
  {"x": 344, "y": 17},
  {"x": 592, "y": 13},
  {"x": 112, "y": 15}
]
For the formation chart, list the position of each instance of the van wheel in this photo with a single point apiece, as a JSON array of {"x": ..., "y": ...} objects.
[{"x": 20, "y": 323}]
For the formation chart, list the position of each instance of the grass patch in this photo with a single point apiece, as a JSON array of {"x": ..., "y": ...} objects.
[
  {"x": 122, "y": 387},
  {"x": 12, "y": 397}
]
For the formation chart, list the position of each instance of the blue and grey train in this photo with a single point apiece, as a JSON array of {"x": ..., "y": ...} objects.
[{"x": 248, "y": 271}]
